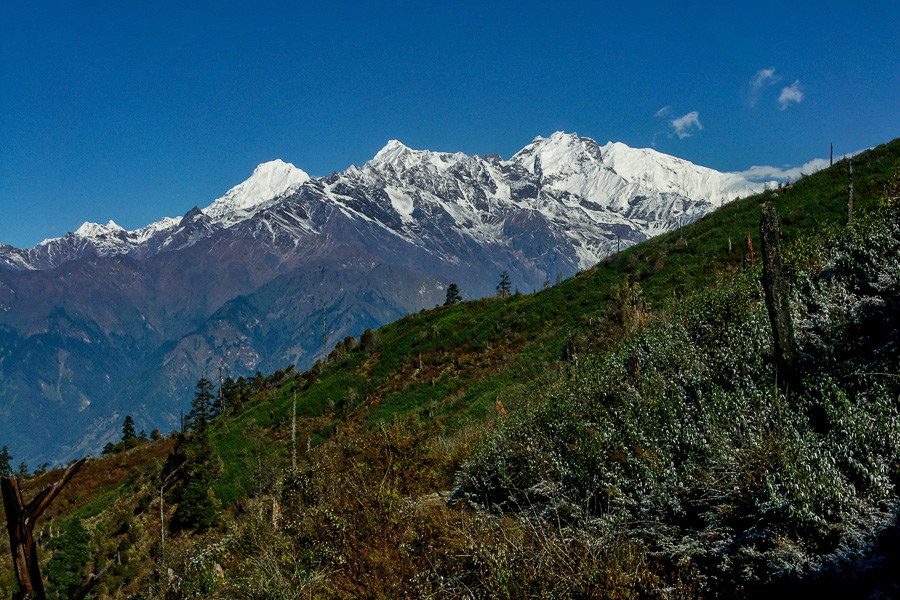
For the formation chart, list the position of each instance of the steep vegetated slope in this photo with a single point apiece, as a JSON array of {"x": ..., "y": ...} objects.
[
  {"x": 681, "y": 441},
  {"x": 104, "y": 322},
  {"x": 601, "y": 438}
]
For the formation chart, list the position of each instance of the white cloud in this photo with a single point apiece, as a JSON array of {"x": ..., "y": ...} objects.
[
  {"x": 790, "y": 94},
  {"x": 664, "y": 112},
  {"x": 686, "y": 125},
  {"x": 762, "y": 79},
  {"x": 767, "y": 173}
]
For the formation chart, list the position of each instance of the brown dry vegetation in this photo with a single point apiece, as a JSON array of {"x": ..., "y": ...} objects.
[{"x": 388, "y": 429}]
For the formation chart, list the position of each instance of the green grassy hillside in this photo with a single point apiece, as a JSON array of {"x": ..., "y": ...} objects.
[{"x": 560, "y": 416}]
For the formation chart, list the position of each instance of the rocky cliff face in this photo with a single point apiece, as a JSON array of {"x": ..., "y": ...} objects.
[{"x": 105, "y": 322}]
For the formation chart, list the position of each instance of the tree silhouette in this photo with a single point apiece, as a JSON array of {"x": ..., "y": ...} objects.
[
  {"x": 202, "y": 405},
  {"x": 127, "y": 429},
  {"x": 368, "y": 339},
  {"x": 196, "y": 462},
  {"x": 503, "y": 288},
  {"x": 5, "y": 466},
  {"x": 453, "y": 296}
]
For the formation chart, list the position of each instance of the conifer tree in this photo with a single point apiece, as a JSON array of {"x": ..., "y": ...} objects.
[
  {"x": 5, "y": 463},
  {"x": 202, "y": 405},
  {"x": 197, "y": 465},
  {"x": 127, "y": 429},
  {"x": 504, "y": 287},
  {"x": 65, "y": 569},
  {"x": 453, "y": 296},
  {"x": 231, "y": 392}
]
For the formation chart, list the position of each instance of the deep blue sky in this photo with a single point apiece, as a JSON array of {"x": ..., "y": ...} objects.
[{"x": 134, "y": 111}]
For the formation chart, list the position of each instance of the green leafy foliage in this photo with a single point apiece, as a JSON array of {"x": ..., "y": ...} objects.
[
  {"x": 128, "y": 429},
  {"x": 202, "y": 406},
  {"x": 631, "y": 440},
  {"x": 196, "y": 466},
  {"x": 503, "y": 288},
  {"x": 681, "y": 438},
  {"x": 67, "y": 567},
  {"x": 5, "y": 462},
  {"x": 453, "y": 295}
]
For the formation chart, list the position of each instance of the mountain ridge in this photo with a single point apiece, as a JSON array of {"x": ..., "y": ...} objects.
[
  {"x": 562, "y": 154},
  {"x": 240, "y": 285}
]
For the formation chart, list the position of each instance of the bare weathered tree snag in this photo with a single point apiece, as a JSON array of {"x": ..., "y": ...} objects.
[
  {"x": 294, "y": 435},
  {"x": 750, "y": 250},
  {"x": 20, "y": 521},
  {"x": 570, "y": 353},
  {"x": 776, "y": 289},
  {"x": 221, "y": 397},
  {"x": 163, "y": 482},
  {"x": 85, "y": 587},
  {"x": 850, "y": 192}
]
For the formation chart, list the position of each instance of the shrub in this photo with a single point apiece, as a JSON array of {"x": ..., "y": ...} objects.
[
  {"x": 680, "y": 438},
  {"x": 368, "y": 339}
]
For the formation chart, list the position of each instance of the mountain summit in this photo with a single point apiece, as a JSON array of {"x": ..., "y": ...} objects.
[
  {"x": 104, "y": 322},
  {"x": 598, "y": 195}
]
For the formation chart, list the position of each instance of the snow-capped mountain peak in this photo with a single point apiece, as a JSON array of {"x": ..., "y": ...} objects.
[
  {"x": 392, "y": 153},
  {"x": 89, "y": 229},
  {"x": 583, "y": 196},
  {"x": 665, "y": 173},
  {"x": 560, "y": 153},
  {"x": 401, "y": 157},
  {"x": 268, "y": 181}
]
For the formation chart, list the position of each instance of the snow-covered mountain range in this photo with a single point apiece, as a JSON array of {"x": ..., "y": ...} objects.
[
  {"x": 104, "y": 322},
  {"x": 589, "y": 195}
]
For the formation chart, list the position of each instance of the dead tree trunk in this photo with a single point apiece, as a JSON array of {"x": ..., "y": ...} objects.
[
  {"x": 20, "y": 521},
  {"x": 294, "y": 435},
  {"x": 850, "y": 193},
  {"x": 776, "y": 289}
]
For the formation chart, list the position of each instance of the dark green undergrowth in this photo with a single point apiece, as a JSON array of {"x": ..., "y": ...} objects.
[
  {"x": 452, "y": 364},
  {"x": 680, "y": 438},
  {"x": 621, "y": 432}
]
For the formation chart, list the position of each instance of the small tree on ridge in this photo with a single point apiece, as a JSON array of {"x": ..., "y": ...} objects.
[
  {"x": 453, "y": 295},
  {"x": 503, "y": 288}
]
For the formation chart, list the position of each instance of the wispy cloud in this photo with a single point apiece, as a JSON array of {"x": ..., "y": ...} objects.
[
  {"x": 686, "y": 125},
  {"x": 763, "y": 79},
  {"x": 790, "y": 94},
  {"x": 768, "y": 173},
  {"x": 682, "y": 127}
]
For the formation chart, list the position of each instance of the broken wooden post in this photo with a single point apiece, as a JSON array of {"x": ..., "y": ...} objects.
[
  {"x": 84, "y": 588},
  {"x": 20, "y": 521},
  {"x": 750, "y": 248},
  {"x": 294, "y": 435},
  {"x": 776, "y": 289},
  {"x": 850, "y": 192}
]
